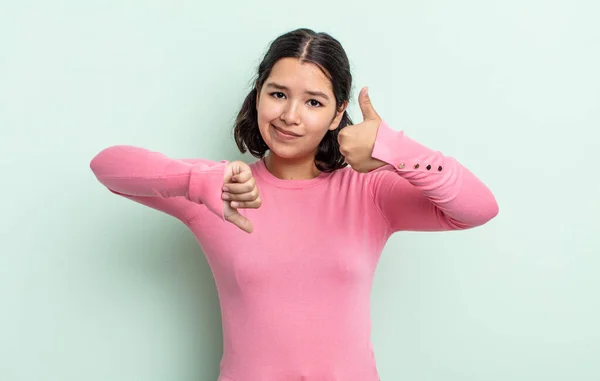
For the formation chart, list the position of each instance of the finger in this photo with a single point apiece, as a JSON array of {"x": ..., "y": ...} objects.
[
  {"x": 255, "y": 204},
  {"x": 248, "y": 186},
  {"x": 242, "y": 176},
  {"x": 233, "y": 169},
  {"x": 366, "y": 107},
  {"x": 249, "y": 196},
  {"x": 228, "y": 173},
  {"x": 241, "y": 222}
]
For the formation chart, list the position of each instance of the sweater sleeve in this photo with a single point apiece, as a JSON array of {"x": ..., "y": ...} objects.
[
  {"x": 422, "y": 190},
  {"x": 173, "y": 186}
]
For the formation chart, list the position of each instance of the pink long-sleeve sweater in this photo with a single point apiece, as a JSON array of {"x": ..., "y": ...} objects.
[{"x": 295, "y": 294}]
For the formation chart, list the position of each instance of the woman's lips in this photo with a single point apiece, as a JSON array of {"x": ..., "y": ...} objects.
[{"x": 283, "y": 135}]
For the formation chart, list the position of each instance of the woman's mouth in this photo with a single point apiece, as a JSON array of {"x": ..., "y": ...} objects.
[{"x": 283, "y": 134}]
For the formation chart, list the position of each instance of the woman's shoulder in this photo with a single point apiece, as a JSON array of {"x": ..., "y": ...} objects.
[
  {"x": 349, "y": 172},
  {"x": 347, "y": 175}
]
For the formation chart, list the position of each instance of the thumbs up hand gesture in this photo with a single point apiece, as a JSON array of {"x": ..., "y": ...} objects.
[
  {"x": 357, "y": 141},
  {"x": 239, "y": 191}
]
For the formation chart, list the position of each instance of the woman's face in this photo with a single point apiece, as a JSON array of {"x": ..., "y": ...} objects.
[{"x": 296, "y": 107}]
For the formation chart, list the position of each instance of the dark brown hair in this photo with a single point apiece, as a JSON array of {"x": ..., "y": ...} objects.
[{"x": 328, "y": 54}]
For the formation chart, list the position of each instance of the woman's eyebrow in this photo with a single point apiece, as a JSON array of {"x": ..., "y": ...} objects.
[{"x": 313, "y": 93}]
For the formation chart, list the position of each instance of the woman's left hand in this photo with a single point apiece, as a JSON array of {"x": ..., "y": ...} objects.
[{"x": 357, "y": 141}]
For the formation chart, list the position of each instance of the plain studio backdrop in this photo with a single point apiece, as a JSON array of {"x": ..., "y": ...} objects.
[{"x": 95, "y": 287}]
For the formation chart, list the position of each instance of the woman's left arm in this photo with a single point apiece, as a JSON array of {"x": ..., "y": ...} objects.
[
  {"x": 422, "y": 190},
  {"x": 414, "y": 187}
]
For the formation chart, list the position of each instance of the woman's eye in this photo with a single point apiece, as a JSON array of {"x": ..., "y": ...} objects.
[{"x": 280, "y": 95}]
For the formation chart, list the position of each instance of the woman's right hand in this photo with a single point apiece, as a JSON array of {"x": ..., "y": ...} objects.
[{"x": 239, "y": 191}]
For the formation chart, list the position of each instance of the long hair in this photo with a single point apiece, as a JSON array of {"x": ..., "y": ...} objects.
[{"x": 328, "y": 54}]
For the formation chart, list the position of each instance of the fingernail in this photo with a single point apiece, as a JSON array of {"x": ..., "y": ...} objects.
[
  {"x": 225, "y": 196},
  {"x": 234, "y": 204},
  {"x": 225, "y": 189}
]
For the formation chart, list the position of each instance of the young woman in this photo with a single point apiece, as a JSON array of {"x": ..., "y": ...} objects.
[{"x": 294, "y": 293}]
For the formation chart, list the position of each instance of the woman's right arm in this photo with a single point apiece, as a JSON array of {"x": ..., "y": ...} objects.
[{"x": 160, "y": 182}]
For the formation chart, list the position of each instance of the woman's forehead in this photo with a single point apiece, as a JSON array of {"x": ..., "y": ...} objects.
[{"x": 300, "y": 76}]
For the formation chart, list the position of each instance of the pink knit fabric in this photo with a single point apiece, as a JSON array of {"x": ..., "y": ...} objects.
[{"x": 295, "y": 294}]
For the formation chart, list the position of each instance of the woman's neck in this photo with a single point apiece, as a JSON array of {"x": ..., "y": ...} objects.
[{"x": 300, "y": 169}]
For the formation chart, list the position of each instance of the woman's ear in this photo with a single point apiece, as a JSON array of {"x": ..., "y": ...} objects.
[{"x": 338, "y": 116}]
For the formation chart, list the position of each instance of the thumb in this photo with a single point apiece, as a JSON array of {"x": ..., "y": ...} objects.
[
  {"x": 366, "y": 107},
  {"x": 241, "y": 222}
]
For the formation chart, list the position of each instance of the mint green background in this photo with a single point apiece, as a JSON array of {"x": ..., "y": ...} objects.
[{"x": 94, "y": 287}]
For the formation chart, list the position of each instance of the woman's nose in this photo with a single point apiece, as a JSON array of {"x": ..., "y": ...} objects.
[{"x": 290, "y": 114}]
